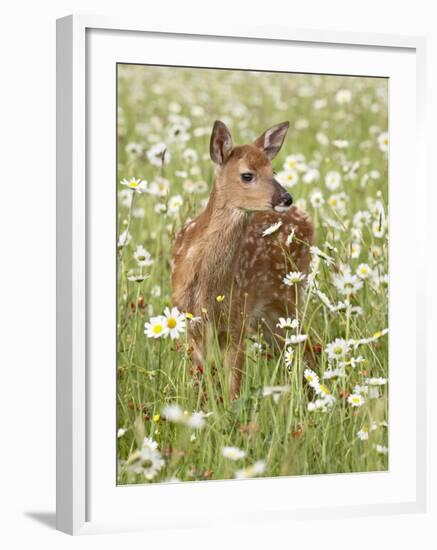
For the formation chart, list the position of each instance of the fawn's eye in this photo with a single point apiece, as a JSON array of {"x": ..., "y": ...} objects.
[{"x": 247, "y": 176}]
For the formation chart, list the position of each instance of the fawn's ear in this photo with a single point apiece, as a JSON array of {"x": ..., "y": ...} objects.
[
  {"x": 221, "y": 143},
  {"x": 272, "y": 139}
]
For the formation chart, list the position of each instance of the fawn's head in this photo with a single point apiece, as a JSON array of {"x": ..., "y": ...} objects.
[{"x": 245, "y": 176}]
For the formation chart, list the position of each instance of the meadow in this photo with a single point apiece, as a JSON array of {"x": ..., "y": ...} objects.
[{"x": 295, "y": 416}]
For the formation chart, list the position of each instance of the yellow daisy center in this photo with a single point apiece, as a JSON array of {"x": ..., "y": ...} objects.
[
  {"x": 171, "y": 322},
  {"x": 157, "y": 329},
  {"x": 133, "y": 184}
]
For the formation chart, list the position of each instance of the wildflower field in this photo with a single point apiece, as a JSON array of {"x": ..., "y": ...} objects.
[{"x": 321, "y": 404}]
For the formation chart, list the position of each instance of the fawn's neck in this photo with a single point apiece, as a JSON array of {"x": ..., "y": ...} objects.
[{"x": 224, "y": 232}]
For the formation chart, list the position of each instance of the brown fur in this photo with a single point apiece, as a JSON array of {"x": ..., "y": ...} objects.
[{"x": 222, "y": 251}]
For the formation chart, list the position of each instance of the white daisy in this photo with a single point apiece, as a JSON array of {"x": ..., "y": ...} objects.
[
  {"x": 189, "y": 186},
  {"x": 124, "y": 238},
  {"x": 378, "y": 228},
  {"x": 383, "y": 142},
  {"x": 337, "y": 349},
  {"x": 138, "y": 213},
  {"x": 320, "y": 104},
  {"x": 295, "y": 339},
  {"x": 371, "y": 339},
  {"x": 315, "y": 251},
  {"x": 333, "y": 180},
  {"x": 376, "y": 381},
  {"x": 233, "y": 453},
  {"x": 293, "y": 278},
  {"x": 196, "y": 420},
  {"x": 275, "y": 392},
  {"x": 334, "y": 373},
  {"x": 156, "y": 327},
  {"x": 338, "y": 203},
  {"x": 347, "y": 284},
  {"x": 159, "y": 187},
  {"x": 343, "y": 96},
  {"x": 147, "y": 460},
  {"x": 272, "y": 228},
  {"x": 363, "y": 390},
  {"x": 151, "y": 461},
  {"x": 190, "y": 155},
  {"x": 136, "y": 277},
  {"x": 356, "y": 400},
  {"x": 322, "y": 138},
  {"x": 258, "y": 468},
  {"x": 316, "y": 199},
  {"x": 174, "y": 204},
  {"x": 287, "y": 323},
  {"x": 173, "y": 413},
  {"x": 295, "y": 162},
  {"x": 311, "y": 176},
  {"x": 142, "y": 256},
  {"x": 134, "y": 149},
  {"x": 174, "y": 322},
  {"x": 288, "y": 178},
  {"x": 363, "y": 271},
  {"x": 125, "y": 197},
  {"x": 361, "y": 218},
  {"x": 355, "y": 250},
  {"x": 363, "y": 434},
  {"x": 311, "y": 378},
  {"x": 135, "y": 184},
  {"x": 289, "y": 357},
  {"x": 160, "y": 208},
  {"x": 156, "y": 291},
  {"x": 200, "y": 187},
  {"x": 158, "y": 154},
  {"x": 340, "y": 143},
  {"x": 321, "y": 404},
  {"x": 381, "y": 449},
  {"x": 323, "y": 298}
]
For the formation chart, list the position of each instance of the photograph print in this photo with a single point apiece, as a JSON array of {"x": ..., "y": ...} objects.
[{"x": 252, "y": 274}]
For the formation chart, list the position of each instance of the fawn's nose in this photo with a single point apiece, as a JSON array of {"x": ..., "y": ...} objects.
[{"x": 286, "y": 199}]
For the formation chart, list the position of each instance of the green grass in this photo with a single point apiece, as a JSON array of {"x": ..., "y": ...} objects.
[{"x": 153, "y": 373}]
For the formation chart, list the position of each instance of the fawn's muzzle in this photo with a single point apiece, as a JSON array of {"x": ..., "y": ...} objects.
[{"x": 281, "y": 199}]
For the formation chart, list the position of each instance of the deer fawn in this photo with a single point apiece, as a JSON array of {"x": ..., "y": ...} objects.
[{"x": 223, "y": 252}]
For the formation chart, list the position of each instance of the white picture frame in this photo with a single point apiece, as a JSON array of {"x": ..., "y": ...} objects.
[{"x": 75, "y": 217}]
